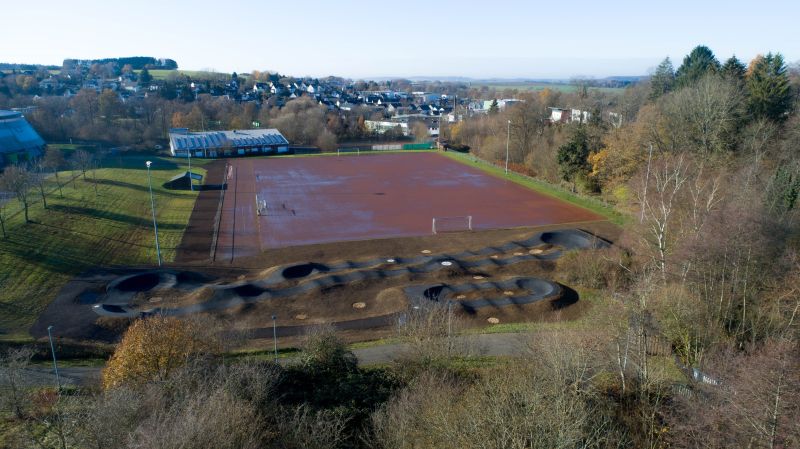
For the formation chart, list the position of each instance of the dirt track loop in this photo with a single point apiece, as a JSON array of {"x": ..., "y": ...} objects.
[{"x": 330, "y": 199}]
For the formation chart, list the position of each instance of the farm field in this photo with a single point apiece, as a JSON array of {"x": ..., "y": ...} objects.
[
  {"x": 84, "y": 230},
  {"x": 161, "y": 74},
  {"x": 537, "y": 86}
]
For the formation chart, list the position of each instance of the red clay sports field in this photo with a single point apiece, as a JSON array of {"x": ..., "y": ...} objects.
[{"x": 337, "y": 198}]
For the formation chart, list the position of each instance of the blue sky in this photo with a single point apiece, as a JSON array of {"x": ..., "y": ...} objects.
[{"x": 357, "y": 38}]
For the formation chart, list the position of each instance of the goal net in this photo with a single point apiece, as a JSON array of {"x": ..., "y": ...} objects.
[{"x": 451, "y": 224}]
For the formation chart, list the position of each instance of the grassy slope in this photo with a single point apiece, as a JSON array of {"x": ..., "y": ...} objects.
[
  {"x": 592, "y": 204},
  {"x": 82, "y": 231}
]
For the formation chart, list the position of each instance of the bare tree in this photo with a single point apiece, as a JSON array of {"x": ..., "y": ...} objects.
[
  {"x": 4, "y": 199},
  {"x": 18, "y": 180},
  {"x": 54, "y": 160},
  {"x": 39, "y": 178},
  {"x": 659, "y": 196},
  {"x": 12, "y": 369},
  {"x": 83, "y": 160}
]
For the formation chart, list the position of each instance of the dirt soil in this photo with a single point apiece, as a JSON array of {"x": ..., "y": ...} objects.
[{"x": 72, "y": 309}]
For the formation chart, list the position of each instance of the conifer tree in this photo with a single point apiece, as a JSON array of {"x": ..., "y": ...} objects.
[
  {"x": 733, "y": 69},
  {"x": 663, "y": 80},
  {"x": 697, "y": 64},
  {"x": 768, "y": 88}
]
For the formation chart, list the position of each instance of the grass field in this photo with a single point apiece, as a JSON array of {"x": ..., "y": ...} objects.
[
  {"x": 592, "y": 204},
  {"x": 83, "y": 230},
  {"x": 537, "y": 86},
  {"x": 194, "y": 74}
]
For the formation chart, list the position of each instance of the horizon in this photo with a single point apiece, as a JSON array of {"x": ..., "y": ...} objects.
[{"x": 359, "y": 40}]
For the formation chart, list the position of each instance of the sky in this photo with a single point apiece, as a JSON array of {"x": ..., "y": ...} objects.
[{"x": 371, "y": 39}]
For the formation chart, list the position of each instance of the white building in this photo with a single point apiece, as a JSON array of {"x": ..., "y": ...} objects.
[
  {"x": 562, "y": 115},
  {"x": 382, "y": 127}
]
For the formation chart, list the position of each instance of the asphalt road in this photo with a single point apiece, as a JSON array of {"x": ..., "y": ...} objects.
[{"x": 493, "y": 345}]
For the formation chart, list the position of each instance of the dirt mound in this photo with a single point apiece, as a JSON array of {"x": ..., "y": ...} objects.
[
  {"x": 139, "y": 282},
  {"x": 303, "y": 270}
]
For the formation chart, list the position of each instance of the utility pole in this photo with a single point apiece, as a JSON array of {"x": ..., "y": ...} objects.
[
  {"x": 275, "y": 337},
  {"x": 153, "y": 207}
]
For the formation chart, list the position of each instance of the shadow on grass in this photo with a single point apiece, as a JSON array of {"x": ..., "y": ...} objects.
[
  {"x": 104, "y": 215},
  {"x": 137, "y": 187},
  {"x": 138, "y": 163}
]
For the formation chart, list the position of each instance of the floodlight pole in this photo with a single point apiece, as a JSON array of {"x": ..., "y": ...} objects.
[
  {"x": 449, "y": 327},
  {"x": 508, "y": 137},
  {"x": 153, "y": 208},
  {"x": 191, "y": 180},
  {"x": 53, "y": 351},
  {"x": 275, "y": 337}
]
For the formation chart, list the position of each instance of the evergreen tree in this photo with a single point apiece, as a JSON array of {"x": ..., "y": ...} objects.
[
  {"x": 733, "y": 69},
  {"x": 697, "y": 64},
  {"x": 663, "y": 80},
  {"x": 145, "y": 78},
  {"x": 573, "y": 156},
  {"x": 494, "y": 108},
  {"x": 768, "y": 88}
]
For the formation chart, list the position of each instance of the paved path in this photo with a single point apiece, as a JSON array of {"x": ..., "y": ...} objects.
[{"x": 473, "y": 345}]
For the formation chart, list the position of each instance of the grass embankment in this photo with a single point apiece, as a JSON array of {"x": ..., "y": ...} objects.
[
  {"x": 543, "y": 187},
  {"x": 84, "y": 230}
]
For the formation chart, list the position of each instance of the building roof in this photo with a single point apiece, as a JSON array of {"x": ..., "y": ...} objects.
[
  {"x": 184, "y": 140},
  {"x": 16, "y": 134}
]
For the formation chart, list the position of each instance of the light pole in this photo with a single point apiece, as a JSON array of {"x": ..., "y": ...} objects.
[
  {"x": 275, "y": 337},
  {"x": 153, "y": 207},
  {"x": 191, "y": 181},
  {"x": 449, "y": 326},
  {"x": 508, "y": 137},
  {"x": 53, "y": 350}
]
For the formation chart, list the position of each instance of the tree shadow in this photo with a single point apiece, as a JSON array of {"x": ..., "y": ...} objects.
[
  {"x": 104, "y": 215},
  {"x": 128, "y": 185}
]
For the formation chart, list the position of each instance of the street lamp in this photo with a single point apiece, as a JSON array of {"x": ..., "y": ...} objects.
[
  {"x": 508, "y": 137},
  {"x": 153, "y": 207},
  {"x": 275, "y": 337},
  {"x": 191, "y": 181},
  {"x": 53, "y": 351}
]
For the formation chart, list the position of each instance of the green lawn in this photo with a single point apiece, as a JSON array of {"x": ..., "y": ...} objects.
[
  {"x": 592, "y": 204},
  {"x": 84, "y": 229},
  {"x": 160, "y": 74}
]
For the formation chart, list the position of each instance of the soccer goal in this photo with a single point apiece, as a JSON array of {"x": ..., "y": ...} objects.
[{"x": 451, "y": 224}]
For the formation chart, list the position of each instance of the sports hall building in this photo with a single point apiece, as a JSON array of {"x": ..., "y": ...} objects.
[{"x": 239, "y": 142}]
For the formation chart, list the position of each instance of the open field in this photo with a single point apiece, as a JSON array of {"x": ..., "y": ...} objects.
[
  {"x": 160, "y": 74},
  {"x": 537, "y": 86},
  {"x": 84, "y": 230}
]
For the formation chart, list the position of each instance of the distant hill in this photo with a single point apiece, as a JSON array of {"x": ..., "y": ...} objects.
[
  {"x": 10, "y": 66},
  {"x": 137, "y": 62}
]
